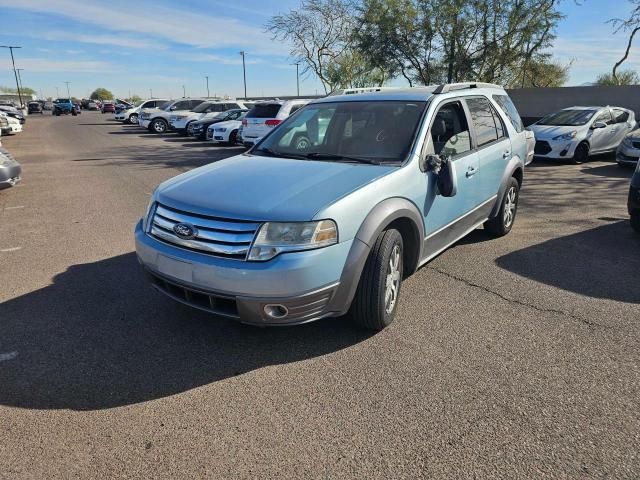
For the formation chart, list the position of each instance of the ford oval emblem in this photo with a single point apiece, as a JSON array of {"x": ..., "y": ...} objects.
[{"x": 185, "y": 231}]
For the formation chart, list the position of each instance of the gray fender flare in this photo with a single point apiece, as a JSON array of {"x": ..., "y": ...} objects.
[
  {"x": 375, "y": 222},
  {"x": 514, "y": 164}
]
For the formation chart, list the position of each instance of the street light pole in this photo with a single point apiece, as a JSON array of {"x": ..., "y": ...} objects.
[
  {"x": 244, "y": 73},
  {"x": 184, "y": 92},
  {"x": 20, "y": 78},
  {"x": 298, "y": 78},
  {"x": 150, "y": 93},
  {"x": 57, "y": 92},
  {"x": 11, "y": 47},
  {"x": 207, "y": 77},
  {"x": 68, "y": 94}
]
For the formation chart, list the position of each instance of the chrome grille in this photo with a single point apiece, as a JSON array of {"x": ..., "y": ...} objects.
[{"x": 216, "y": 236}]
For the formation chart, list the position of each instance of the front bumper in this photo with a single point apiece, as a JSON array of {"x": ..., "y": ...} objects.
[
  {"x": 307, "y": 283},
  {"x": 120, "y": 116},
  {"x": 15, "y": 127},
  {"x": 555, "y": 149},
  {"x": 627, "y": 156},
  {"x": 10, "y": 174}
]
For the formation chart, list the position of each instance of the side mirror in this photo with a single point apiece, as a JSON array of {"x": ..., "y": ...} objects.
[
  {"x": 598, "y": 125},
  {"x": 445, "y": 172}
]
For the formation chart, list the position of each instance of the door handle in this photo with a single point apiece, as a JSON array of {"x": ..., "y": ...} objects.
[
  {"x": 471, "y": 171},
  {"x": 506, "y": 154}
]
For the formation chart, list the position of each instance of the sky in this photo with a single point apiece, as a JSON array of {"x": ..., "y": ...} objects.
[{"x": 156, "y": 48}]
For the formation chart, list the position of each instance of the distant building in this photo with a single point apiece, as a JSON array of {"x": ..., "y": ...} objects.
[{"x": 14, "y": 98}]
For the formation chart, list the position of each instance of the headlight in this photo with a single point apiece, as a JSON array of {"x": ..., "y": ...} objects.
[
  {"x": 274, "y": 238},
  {"x": 566, "y": 136},
  {"x": 627, "y": 142},
  {"x": 221, "y": 129}
]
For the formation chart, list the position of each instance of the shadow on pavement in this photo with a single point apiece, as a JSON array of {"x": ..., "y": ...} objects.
[
  {"x": 100, "y": 337},
  {"x": 601, "y": 263},
  {"x": 611, "y": 171}
]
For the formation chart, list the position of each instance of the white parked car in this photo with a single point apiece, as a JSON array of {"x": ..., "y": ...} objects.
[
  {"x": 264, "y": 116},
  {"x": 157, "y": 120},
  {"x": 180, "y": 122},
  {"x": 577, "y": 132},
  {"x": 225, "y": 132},
  {"x": 131, "y": 114},
  {"x": 14, "y": 124},
  {"x": 628, "y": 152}
]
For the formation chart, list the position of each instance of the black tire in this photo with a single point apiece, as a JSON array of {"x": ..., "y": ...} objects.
[
  {"x": 233, "y": 137},
  {"x": 370, "y": 307},
  {"x": 581, "y": 154},
  {"x": 503, "y": 222},
  {"x": 158, "y": 125},
  {"x": 635, "y": 221}
]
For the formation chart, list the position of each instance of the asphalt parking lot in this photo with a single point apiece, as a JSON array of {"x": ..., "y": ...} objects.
[{"x": 516, "y": 357}]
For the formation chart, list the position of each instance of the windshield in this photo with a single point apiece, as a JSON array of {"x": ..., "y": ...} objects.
[
  {"x": 368, "y": 132},
  {"x": 568, "y": 118}
]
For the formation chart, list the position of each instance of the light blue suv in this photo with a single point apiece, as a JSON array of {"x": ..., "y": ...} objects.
[{"x": 330, "y": 211}]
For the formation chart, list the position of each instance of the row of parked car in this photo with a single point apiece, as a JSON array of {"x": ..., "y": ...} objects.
[
  {"x": 332, "y": 207},
  {"x": 12, "y": 120}
]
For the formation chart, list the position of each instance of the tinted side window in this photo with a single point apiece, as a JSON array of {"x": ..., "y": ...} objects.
[
  {"x": 507, "y": 106},
  {"x": 450, "y": 131},
  {"x": 621, "y": 116},
  {"x": 231, "y": 106},
  {"x": 604, "y": 117},
  {"x": 483, "y": 121},
  {"x": 194, "y": 103},
  {"x": 183, "y": 105},
  {"x": 216, "y": 107}
]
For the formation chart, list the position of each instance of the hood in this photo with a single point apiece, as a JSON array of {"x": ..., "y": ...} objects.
[
  {"x": 256, "y": 188},
  {"x": 550, "y": 131}
]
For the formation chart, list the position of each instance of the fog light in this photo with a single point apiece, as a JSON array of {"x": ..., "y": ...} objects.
[{"x": 276, "y": 311}]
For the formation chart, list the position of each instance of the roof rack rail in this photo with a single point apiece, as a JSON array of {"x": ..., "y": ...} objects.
[
  {"x": 352, "y": 91},
  {"x": 450, "y": 87}
]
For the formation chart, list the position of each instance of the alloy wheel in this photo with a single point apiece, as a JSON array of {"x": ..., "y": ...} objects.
[
  {"x": 392, "y": 282},
  {"x": 510, "y": 206}
]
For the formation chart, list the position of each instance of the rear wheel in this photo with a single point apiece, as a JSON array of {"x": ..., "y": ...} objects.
[
  {"x": 502, "y": 223},
  {"x": 159, "y": 125},
  {"x": 635, "y": 221},
  {"x": 581, "y": 154},
  {"x": 375, "y": 303}
]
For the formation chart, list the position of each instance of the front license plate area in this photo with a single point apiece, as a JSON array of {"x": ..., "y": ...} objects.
[{"x": 175, "y": 268}]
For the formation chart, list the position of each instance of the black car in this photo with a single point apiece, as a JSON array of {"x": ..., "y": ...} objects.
[
  {"x": 633, "y": 202},
  {"x": 199, "y": 129},
  {"x": 10, "y": 170},
  {"x": 13, "y": 112},
  {"x": 34, "y": 107}
]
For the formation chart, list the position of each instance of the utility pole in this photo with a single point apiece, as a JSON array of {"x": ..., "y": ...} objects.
[
  {"x": 297, "y": 64},
  {"x": 244, "y": 73},
  {"x": 13, "y": 62},
  {"x": 68, "y": 94},
  {"x": 150, "y": 93},
  {"x": 20, "y": 78},
  {"x": 184, "y": 92},
  {"x": 207, "y": 77}
]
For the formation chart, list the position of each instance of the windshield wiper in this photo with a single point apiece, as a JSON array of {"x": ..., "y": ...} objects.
[
  {"x": 332, "y": 156},
  {"x": 273, "y": 153}
]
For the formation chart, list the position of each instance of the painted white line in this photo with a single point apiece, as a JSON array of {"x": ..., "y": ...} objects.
[
  {"x": 14, "y": 208},
  {"x": 8, "y": 356},
  {"x": 13, "y": 249}
]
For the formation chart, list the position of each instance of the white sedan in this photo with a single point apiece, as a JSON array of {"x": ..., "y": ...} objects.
[
  {"x": 575, "y": 133},
  {"x": 14, "y": 124},
  {"x": 224, "y": 132}
]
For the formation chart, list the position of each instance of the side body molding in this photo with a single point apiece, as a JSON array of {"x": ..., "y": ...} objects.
[{"x": 375, "y": 222}]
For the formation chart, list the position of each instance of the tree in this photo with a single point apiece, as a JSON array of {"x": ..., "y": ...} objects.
[
  {"x": 632, "y": 25},
  {"x": 23, "y": 90},
  {"x": 134, "y": 98},
  {"x": 625, "y": 77},
  {"x": 320, "y": 33},
  {"x": 429, "y": 41},
  {"x": 538, "y": 74},
  {"x": 101, "y": 94}
]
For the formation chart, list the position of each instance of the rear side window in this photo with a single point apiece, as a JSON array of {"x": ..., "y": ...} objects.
[
  {"x": 269, "y": 110},
  {"x": 183, "y": 105},
  {"x": 620, "y": 116},
  {"x": 294, "y": 108},
  {"x": 483, "y": 120},
  {"x": 231, "y": 106},
  {"x": 604, "y": 117},
  {"x": 507, "y": 106}
]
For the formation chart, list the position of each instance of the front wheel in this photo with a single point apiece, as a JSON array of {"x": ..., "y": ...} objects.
[
  {"x": 159, "y": 125},
  {"x": 375, "y": 303},
  {"x": 133, "y": 118},
  {"x": 233, "y": 137},
  {"x": 581, "y": 154},
  {"x": 635, "y": 221},
  {"x": 502, "y": 223}
]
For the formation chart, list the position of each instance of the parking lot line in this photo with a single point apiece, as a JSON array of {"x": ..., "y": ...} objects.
[{"x": 12, "y": 249}]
